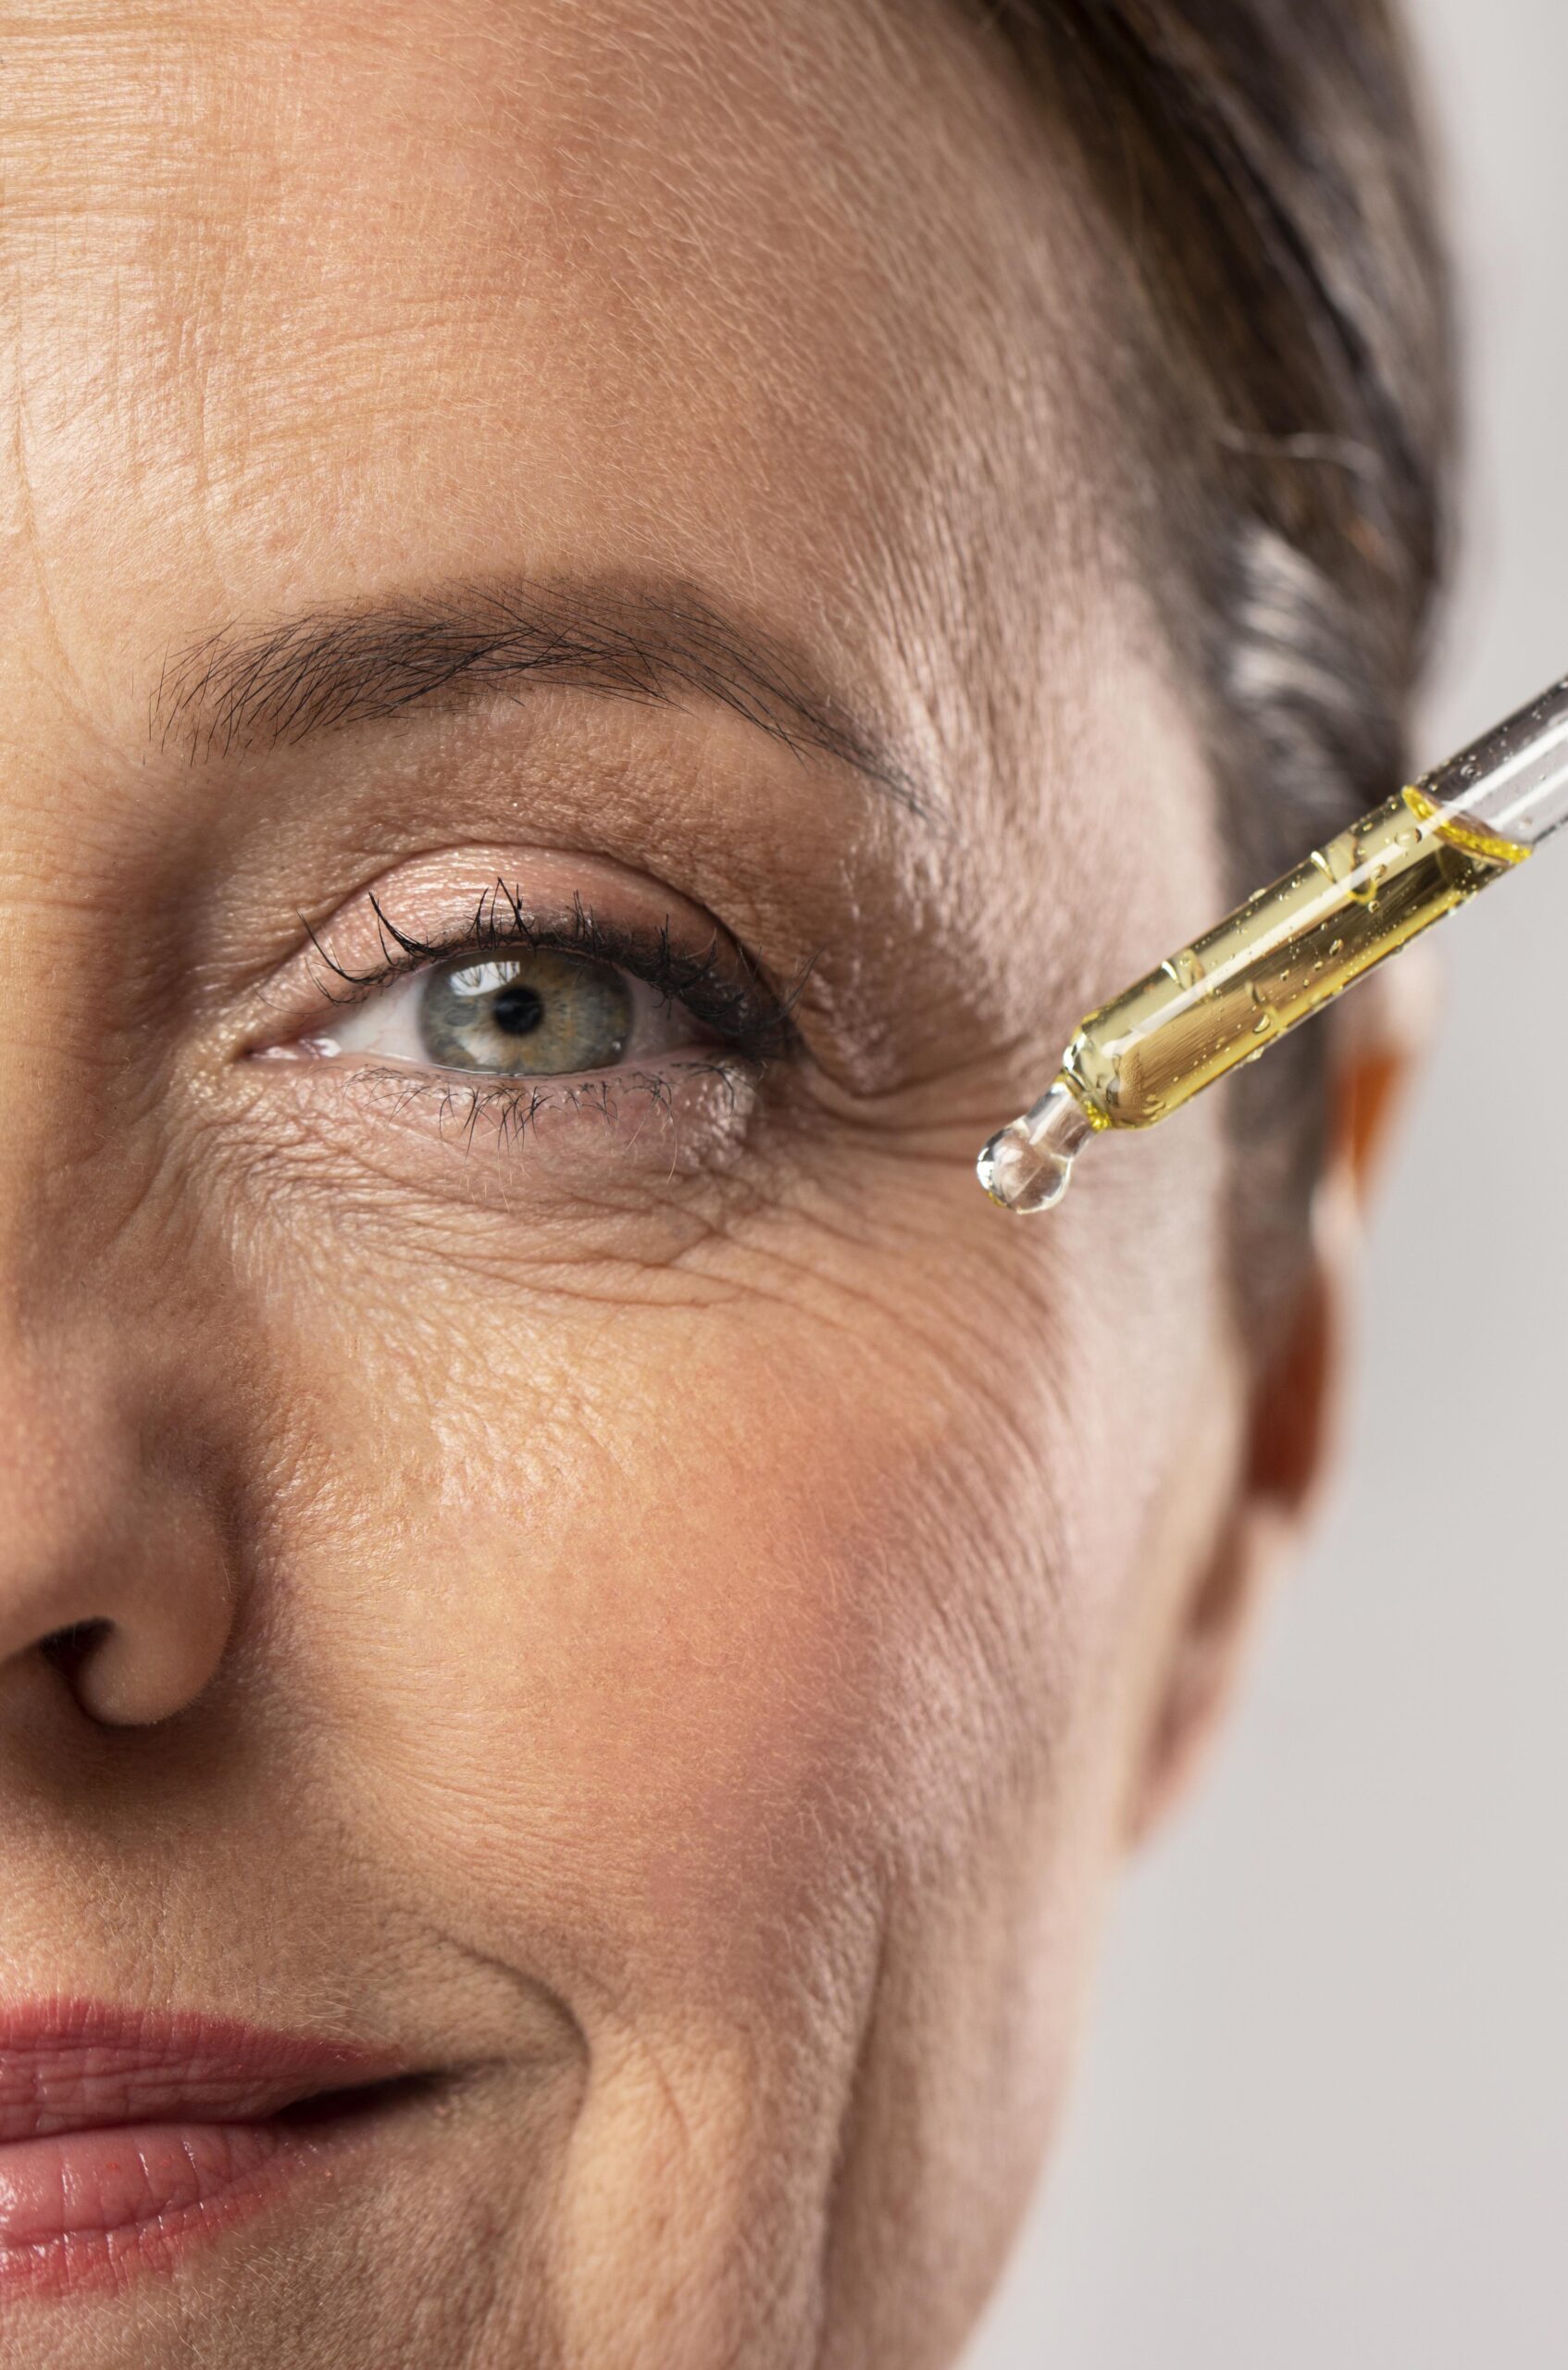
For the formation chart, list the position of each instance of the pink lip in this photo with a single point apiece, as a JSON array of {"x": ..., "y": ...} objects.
[{"x": 124, "y": 2137}]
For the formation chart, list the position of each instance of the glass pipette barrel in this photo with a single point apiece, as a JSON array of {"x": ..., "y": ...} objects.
[{"x": 1291, "y": 949}]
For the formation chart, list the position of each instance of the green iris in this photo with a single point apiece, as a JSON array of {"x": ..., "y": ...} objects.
[{"x": 540, "y": 1014}]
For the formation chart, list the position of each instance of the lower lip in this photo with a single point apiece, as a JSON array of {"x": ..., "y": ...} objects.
[{"x": 89, "y": 2209}]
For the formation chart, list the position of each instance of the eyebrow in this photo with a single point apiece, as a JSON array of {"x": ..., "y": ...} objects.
[{"x": 249, "y": 687}]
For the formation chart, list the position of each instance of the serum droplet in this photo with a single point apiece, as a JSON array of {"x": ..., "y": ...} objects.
[{"x": 1028, "y": 1166}]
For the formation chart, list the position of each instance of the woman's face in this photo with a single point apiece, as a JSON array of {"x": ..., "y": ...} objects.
[{"x": 631, "y": 1590}]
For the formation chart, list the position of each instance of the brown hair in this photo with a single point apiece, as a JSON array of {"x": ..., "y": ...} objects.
[{"x": 1265, "y": 165}]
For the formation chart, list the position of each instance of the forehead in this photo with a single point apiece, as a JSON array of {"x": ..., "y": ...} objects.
[{"x": 312, "y": 299}]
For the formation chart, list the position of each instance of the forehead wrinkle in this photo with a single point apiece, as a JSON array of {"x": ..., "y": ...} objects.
[
  {"x": 619, "y": 322},
  {"x": 245, "y": 688}
]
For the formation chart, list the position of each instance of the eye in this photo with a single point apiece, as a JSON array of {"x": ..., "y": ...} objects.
[
  {"x": 540, "y": 1012},
  {"x": 535, "y": 1015}
]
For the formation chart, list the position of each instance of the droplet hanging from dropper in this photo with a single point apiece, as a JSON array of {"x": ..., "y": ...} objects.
[{"x": 1028, "y": 1166}]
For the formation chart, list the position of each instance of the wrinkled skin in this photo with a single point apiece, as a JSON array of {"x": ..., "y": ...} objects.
[{"x": 670, "y": 1614}]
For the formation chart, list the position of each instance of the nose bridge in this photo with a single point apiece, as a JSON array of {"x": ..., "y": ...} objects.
[
  {"x": 116, "y": 1504},
  {"x": 81, "y": 1053},
  {"x": 69, "y": 1446}
]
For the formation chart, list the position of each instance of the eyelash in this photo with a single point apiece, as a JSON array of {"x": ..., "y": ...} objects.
[{"x": 748, "y": 1016}]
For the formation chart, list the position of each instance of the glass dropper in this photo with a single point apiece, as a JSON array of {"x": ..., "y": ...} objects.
[{"x": 1291, "y": 949}]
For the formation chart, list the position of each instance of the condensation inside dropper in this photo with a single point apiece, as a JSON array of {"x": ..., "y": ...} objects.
[{"x": 1029, "y": 1165}]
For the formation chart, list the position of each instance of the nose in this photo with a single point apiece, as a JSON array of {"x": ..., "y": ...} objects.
[{"x": 115, "y": 1573}]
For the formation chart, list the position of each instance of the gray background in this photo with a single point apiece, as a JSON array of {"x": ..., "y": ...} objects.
[{"x": 1323, "y": 2122}]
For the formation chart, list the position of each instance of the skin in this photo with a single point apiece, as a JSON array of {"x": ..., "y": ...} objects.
[{"x": 673, "y": 1619}]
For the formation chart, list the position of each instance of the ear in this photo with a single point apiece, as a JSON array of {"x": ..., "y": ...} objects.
[{"x": 1290, "y": 1424}]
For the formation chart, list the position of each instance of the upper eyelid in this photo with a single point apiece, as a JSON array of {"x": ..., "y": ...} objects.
[
  {"x": 737, "y": 991},
  {"x": 586, "y": 936}
]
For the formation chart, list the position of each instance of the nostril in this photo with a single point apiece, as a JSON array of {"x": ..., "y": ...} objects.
[{"x": 67, "y": 1649}]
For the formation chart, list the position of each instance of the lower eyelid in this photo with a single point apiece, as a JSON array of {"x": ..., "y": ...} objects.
[
  {"x": 535, "y": 1096},
  {"x": 575, "y": 1140}
]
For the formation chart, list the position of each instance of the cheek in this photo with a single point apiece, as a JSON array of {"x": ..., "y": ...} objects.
[{"x": 666, "y": 1641}]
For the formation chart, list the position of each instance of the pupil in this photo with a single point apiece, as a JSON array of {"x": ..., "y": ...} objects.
[{"x": 518, "y": 1010}]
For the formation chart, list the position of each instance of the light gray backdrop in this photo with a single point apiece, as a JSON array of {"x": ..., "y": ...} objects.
[{"x": 1323, "y": 2120}]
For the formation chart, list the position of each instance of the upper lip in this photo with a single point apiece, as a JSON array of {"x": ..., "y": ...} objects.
[{"x": 80, "y": 2065}]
